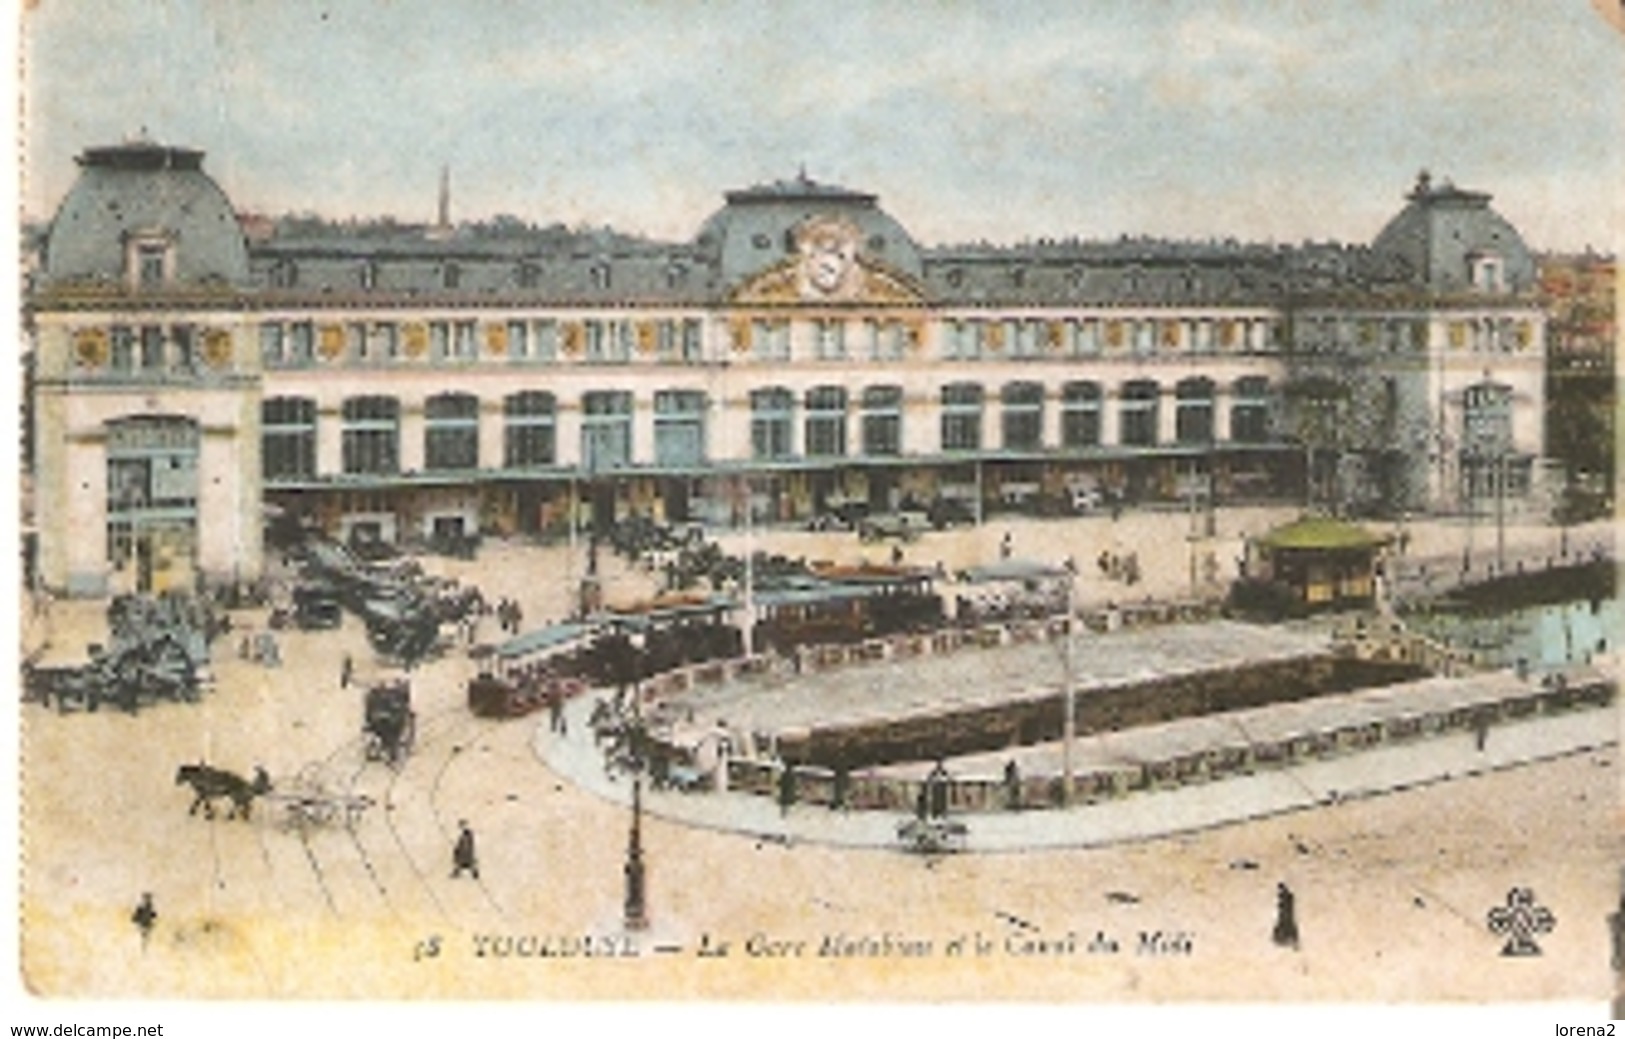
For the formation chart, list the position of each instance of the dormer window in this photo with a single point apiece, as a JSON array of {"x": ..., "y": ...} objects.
[
  {"x": 530, "y": 275},
  {"x": 284, "y": 274},
  {"x": 1486, "y": 272},
  {"x": 149, "y": 259},
  {"x": 599, "y": 273},
  {"x": 451, "y": 276},
  {"x": 369, "y": 275}
]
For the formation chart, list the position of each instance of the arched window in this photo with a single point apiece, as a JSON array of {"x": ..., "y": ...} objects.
[
  {"x": 680, "y": 428},
  {"x": 772, "y": 422},
  {"x": 288, "y": 438},
  {"x": 1137, "y": 413},
  {"x": 371, "y": 440},
  {"x": 529, "y": 433},
  {"x": 451, "y": 431},
  {"x": 1193, "y": 415},
  {"x": 1023, "y": 417},
  {"x": 826, "y": 421},
  {"x": 962, "y": 416},
  {"x": 1250, "y": 411},
  {"x": 1080, "y": 414},
  {"x": 883, "y": 420},
  {"x": 606, "y": 429}
]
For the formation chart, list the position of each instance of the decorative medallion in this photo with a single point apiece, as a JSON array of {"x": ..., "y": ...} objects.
[
  {"x": 572, "y": 338},
  {"x": 414, "y": 339},
  {"x": 90, "y": 347},
  {"x": 914, "y": 334},
  {"x": 739, "y": 334},
  {"x": 1458, "y": 334},
  {"x": 1525, "y": 334},
  {"x": 644, "y": 331},
  {"x": 330, "y": 341},
  {"x": 1114, "y": 334},
  {"x": 1227, "y": 334},
  {"x": 993, "y": 335},
  {"x": 1055, "y": 334},
  {"x": 217, "y": 347},
  {"x": 496, "y": 339},
  {"x": 1170, "y": 334}
]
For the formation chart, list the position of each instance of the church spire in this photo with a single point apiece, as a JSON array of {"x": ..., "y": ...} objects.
[{"x": 443, "y": 221}]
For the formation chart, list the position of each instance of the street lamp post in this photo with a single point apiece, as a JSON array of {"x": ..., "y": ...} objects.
[
  {"x": 635, "y": 916},
  {"x": 1069, "y": 722}
]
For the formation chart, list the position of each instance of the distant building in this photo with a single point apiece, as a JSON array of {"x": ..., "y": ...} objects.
[
  {"x": 1578, "y": 291},
  {"x": 401, "y": 383}
]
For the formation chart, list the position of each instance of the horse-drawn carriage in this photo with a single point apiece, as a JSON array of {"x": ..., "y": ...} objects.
[{"x": 389, "y": 724}]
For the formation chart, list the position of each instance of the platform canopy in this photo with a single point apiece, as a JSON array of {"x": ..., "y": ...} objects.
[{"x": 1318, "y": 533}]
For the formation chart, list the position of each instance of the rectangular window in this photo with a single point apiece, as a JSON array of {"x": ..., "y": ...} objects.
[
  {"x": 518, "y": 339},
  {"x": 547, "y": 340},
  {"x": 123, "y": 349},
  {"x": 439, "y": 341},
  {"x": 151, "y": 264},
  {"x": 466, "y": 346},
  {"x": 830, "y": 336},
  {"x": 184, "y": 357},
  {"x": 152, "y": 348},
  {"x": 301, "y": 342}
]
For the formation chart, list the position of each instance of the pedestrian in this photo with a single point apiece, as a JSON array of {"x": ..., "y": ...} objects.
[
  {"x": 346, "y": 672},
  {"x": 555, "y": 709},
  {"x": 1006, "y": 546},
  {"x": 1012, "y": 785},
  {"x": 1481, "y": 730},
  {"x": 1286, "y": 917},
  {"x": 897, "y": 555},
  {"x": 145, "y": 918},
  {"x": 787, "y": 789},
  {"x": 937, "y": 784},
  {"x": 462, "y": 856}
]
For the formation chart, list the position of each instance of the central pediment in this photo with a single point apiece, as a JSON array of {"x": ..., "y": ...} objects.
[
  {"x": 863, "y": 283},
  {"x": 827, "y": 267}
]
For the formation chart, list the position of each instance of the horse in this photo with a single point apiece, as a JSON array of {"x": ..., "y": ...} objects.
[{"x": 209, "y": 783}]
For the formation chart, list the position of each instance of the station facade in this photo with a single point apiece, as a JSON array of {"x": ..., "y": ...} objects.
[{"x": 801, "y": 352}]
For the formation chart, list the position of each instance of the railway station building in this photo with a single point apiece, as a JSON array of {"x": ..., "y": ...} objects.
[{"x": 801, "y": 351}]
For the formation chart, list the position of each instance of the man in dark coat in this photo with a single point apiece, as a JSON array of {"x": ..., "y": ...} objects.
[
  {"x": 462, "y": 856},
  {"x": 1286, "y": 917},
  {"x": 145, "y": 917}
]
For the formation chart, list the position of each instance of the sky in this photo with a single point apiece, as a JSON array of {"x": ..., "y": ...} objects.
[{"x": 1003, "y": 121}]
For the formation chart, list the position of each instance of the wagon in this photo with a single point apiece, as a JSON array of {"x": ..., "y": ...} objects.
[
  {"x": 389, "y": 724},
  {"x": 305, "y": 803}
]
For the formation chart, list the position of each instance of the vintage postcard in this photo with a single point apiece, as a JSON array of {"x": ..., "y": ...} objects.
[{"x": 1065, "y": 503}]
